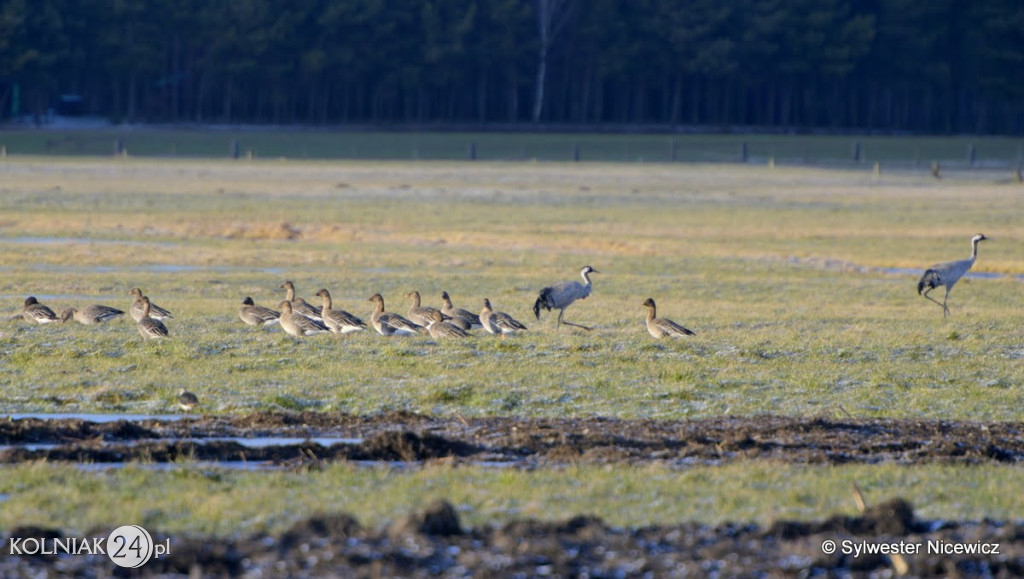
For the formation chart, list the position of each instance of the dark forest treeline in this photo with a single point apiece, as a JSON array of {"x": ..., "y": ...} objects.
[{"x": 889, "y": 65}]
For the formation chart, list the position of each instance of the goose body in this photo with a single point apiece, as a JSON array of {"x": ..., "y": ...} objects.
[
  {"x": 388, "y": 324},
  {"x": 661, "y": 327},
  {"x": 440, "y": 329},
  {"x": 464, "y": 319},
  {"x": 155, "y": 311},
  {"x": 89, "y": 315},
  {"x": 562, "y": 295},
  {"x": 419, "y": 314},
  {"x": 35, "y": 312},
  {"x": 338, "y": 321},
  {"x": 149, "y": 327},
  {"x": 947, "y": 274},
  {"x": 498, "y": 322},
  {"x": 299, "y": 305},
  {"x": 296, "y": 324},
  {"x": 255, "y": 315}
]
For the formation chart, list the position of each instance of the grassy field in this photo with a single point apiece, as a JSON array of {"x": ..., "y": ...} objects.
[
  {"x": 203, "y": 500},
  {"x": 296, "y": 143},
  {"x": 800, "y": 284},
  {"x": 793, "y": 280}
]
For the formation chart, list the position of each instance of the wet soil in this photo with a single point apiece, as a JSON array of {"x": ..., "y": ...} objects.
[
  {"x": 432, "y": 542},
  {"x": 519, "y": 442}
]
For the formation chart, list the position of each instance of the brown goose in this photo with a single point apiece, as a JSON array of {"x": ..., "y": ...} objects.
[
  {"x": 33, "y": 311},
  {"x": 149, "y": 327},
  {"x": 472, "y": 321},
  {"x": 299, "y": 305},
  {"x": 298, "y": 325},
  {"x": 498, "y": 322},
  {"x": 255, "y": 315},
  {"x": 388, "y": 324},
  {"x": 661, "y": 327},
  {"x": 439, "y": 328},
  {"x": 89, "y": 315},
  {"x": 155, "y": 311},
  {"x": 338, "y": 321},
  {"x": 421, "y": 315}
]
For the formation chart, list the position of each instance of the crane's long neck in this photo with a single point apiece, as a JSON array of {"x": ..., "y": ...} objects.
[
  {"x": 586, "y": 278},
  {"x": 974, "y": 248}
]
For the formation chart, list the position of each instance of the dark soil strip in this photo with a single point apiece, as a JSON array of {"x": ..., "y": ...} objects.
[
  {"x": 528, "y": 442},
  {"x": 433, "y": 543}
]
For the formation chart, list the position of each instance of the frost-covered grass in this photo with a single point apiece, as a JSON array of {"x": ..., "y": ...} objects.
[{"x": 799, "y": 283}]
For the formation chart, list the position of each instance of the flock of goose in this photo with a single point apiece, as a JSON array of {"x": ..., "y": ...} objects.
[{"x": 299, "y": 318}]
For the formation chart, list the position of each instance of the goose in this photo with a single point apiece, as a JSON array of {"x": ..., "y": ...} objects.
[
  {"x": 255, "y": 315},
  {"x": 338, "y": 321},
  {"x": 150, "y": 327},
  {"x": 562, "y": 295},
  {"x": 155, "y": 311},
  {"x": 299, "y": 305},
  {"x": 661, "y": 327},
  {"x": 388, "y": 324},
  {"x": 472, "y": 321},
  {"x": 89, "y": 315},
  {"x": 187, "y": 400},
  {"x": 498, "y": 322},
  {"x": 439, "y": 328},
  {"x": 33, "y": 311},
  {"x": 947, "y": 274},
  {"x": 418, "y": 314},
  {"x": 296, "y": 324}
]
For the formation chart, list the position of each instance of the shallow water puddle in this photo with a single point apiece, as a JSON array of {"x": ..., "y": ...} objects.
[{"x": 99, "y": 418}]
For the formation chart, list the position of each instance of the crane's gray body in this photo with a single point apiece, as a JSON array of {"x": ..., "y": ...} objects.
[
  {"x": 946, "y": 274},
  {"x": 562, "y": 295}
]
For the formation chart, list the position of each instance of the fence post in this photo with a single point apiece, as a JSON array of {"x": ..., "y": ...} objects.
[
  {"x": 972, "y": 154},
  {"x": 472, "y": 151},
  {"x": 236, "y": 150},
  {"x": 743, "y": 152},
  {"x": 856, "y": 151},
  {"x": 118, "y": 147}
]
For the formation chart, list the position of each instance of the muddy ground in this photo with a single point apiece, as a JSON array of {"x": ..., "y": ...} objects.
[
  {"x": 433, "y": 542},
  {"x": 520, "y": 442}
]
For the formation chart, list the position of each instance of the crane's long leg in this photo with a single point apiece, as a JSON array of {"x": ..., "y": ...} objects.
[
  {"x": 561, "y": 321},
  {"x": 945, "y": 310}
]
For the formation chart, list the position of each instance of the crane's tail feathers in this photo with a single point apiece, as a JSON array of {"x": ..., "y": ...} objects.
[
  {"x": 536, "y": 307},
  {"x": 929, "y": 280}
]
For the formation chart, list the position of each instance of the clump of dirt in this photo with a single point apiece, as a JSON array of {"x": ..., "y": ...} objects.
[{"x": 433, "y": 542}]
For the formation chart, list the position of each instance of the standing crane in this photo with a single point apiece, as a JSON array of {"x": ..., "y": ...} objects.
[
  {"x": 947, "y": 274},
  {"x": 561, "y": 295}
]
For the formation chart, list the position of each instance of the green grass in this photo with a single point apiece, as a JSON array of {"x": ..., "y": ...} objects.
[
  {"x": 196, "y": 499},
  {"x": 517, "y": 146},
  {"x": 781, "y": 273},
  {"x": 787, "y": 275}
]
